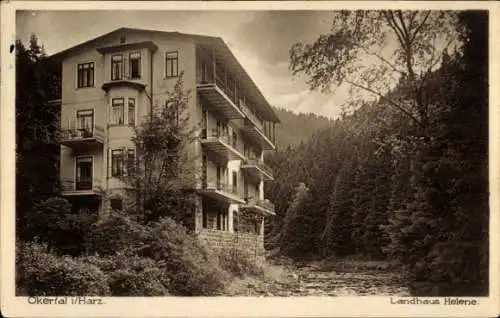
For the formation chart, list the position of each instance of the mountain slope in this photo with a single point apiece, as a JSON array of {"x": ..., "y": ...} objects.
[{"x": 296, "y": 128}]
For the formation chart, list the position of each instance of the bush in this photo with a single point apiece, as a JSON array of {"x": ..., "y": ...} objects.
[
  {"x": 40, "y": 273},
  {"x": 239, "y": 262},
  {"x": 186, "y": 264},
  {"x": 52, "y": 221},
  {"x": 132, "y": 275},
  {"x": 130, "y": 283},
  {"x": 116, "y": 232}
]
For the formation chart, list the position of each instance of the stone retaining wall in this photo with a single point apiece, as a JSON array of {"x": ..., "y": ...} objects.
[{"x": 251, "y": 243}]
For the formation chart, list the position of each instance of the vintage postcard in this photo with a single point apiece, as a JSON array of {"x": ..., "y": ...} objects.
[{"x": 249, "y": 159}]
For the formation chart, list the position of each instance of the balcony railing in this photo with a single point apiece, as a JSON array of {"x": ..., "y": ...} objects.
[
  {"x": 222, "y": 144},
  {"x": 258, "y": 163},
  {"x": 221, "y": 190},
  {"x": 215, "y": 133},
  {"x": 251, "y": 117},
  {"x": 72, "y": 135},
  {"x": 70, "y": 186},
  {"x": 261, "y": 205},
  {"x": 223, "y": 186}
]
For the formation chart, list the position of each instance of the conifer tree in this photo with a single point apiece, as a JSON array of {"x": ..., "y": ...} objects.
[{"x": 37, "y": 128}]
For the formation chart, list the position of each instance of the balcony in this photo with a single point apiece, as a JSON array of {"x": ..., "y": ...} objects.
[
  {"x": 221, "y": 191},
  {"x": 223, "y": 145},
  {"x": 254, "y": 129},
  {"x": 82, "y": 137},
  {"x": 71, "y": 187},
  {"x": 124, "y": 82},
  {"x": 257, "y": 169},
  {"x": 219, "y": 94},
  {"x": 259, "y": 206}
]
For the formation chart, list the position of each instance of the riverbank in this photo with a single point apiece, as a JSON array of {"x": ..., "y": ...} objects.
[{"x": 325, "y": 278}]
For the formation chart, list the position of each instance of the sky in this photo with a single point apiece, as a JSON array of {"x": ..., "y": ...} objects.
[{"x": 260, "y": 40}]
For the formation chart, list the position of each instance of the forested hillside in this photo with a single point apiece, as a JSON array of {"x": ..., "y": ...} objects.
[
  {"x": 298, "y": 127},
  {"x": 405, "y": 186}
]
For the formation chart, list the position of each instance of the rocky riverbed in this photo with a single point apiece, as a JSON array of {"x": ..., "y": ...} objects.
[{"x": 310, "y": 280}]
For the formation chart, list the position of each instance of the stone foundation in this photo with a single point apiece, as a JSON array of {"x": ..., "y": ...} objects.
[{"x": 251, "y": 243}]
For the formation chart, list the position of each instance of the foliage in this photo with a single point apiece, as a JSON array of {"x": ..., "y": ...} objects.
[
  {"x": 37, "y": 147},
  {"x": 406, "y": 173},
  {"x": 239, "y": 262},
  {"x": 52, "y": 221},
  {"x": 40, "y": 273},
  {"x": 161, "y": 172},
  {"x": 117, "y": 232},
  {"x": 131, "y": 275},
  {"x": 356, "y": 49},
  {"x": 190, "y": 269}
]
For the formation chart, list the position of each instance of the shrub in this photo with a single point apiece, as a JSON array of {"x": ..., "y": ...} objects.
[
  {"x": 43, "y": 274},
  {"x": 132, "y": 275},
  {"x": 116, "y": 232},
  {"x": 239, "y": 262},
  {"x": 188, "y": 266},
  {"x": 130, "y": 283},
  {"x": 52, "y": 221}
]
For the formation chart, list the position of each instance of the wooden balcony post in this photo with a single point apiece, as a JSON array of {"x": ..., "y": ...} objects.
[
  {"x": 274, "y": 132},
  {"x": 225, "y": 74},
  {"x": 235, "y": 95},
  {"x": 214, "y": 64}
]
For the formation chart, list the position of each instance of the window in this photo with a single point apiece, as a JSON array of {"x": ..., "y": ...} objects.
[
  {"x": 245, "y": 191},
  {"x": 85, "y": 75},
  {"x": 204, "y": 219},
  {"x": 116, "y": 67},
  {"x": 116, "y": 203},
  {"x": 130, "y": 161},
  {"x": 235, "y": 140},
  {"x": 135, "y": 65},
  {"x": 235, "y": 182},
  {"x": 85, "y": 122},
  {"x": 117, "y": 111},
  {"x": 131, "y": 112},
  {"x": 84, "y": 173},
  {"x": 222, "y": 220},
  {"x": 236, "y": 221},
  {"x": 122, "y": 162},
  {"x": 172, "y": 64},
  {"x": 117, "y": 163}
]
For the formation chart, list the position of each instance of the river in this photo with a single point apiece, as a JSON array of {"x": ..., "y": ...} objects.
[{"x": 310, "y": 280}]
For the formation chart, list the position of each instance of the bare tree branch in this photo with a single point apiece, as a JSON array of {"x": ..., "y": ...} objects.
[
  {"x": 412, "y": 37},
  {"x": 394, "y": 68},
  {"x": 386, "y": 99},
  {"x": 403, "y": 25},
  {"x": 393, "y": 25}
]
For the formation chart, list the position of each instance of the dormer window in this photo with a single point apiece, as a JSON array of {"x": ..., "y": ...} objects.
[
  {"x": 135, "y": 65},
  {"x": 116, "y": 67}
]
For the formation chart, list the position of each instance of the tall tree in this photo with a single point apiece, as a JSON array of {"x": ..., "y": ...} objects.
[
  {"x": 372, "y": 51},
  {"x": 37, "y": 128},
  {"x": 162, "y": 174}
]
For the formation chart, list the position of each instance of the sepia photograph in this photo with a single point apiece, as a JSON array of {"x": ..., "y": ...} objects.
[{"x": 252, "y": 153}]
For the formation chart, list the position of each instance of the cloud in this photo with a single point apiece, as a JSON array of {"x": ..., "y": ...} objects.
[{"x": 274, "y": 32}]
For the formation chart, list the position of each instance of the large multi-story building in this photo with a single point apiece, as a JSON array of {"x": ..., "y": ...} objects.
[{"x": 110, "y": 83}]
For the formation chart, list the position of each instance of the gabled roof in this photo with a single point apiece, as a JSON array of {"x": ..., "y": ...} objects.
[{"x": 217, "y": 43}]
